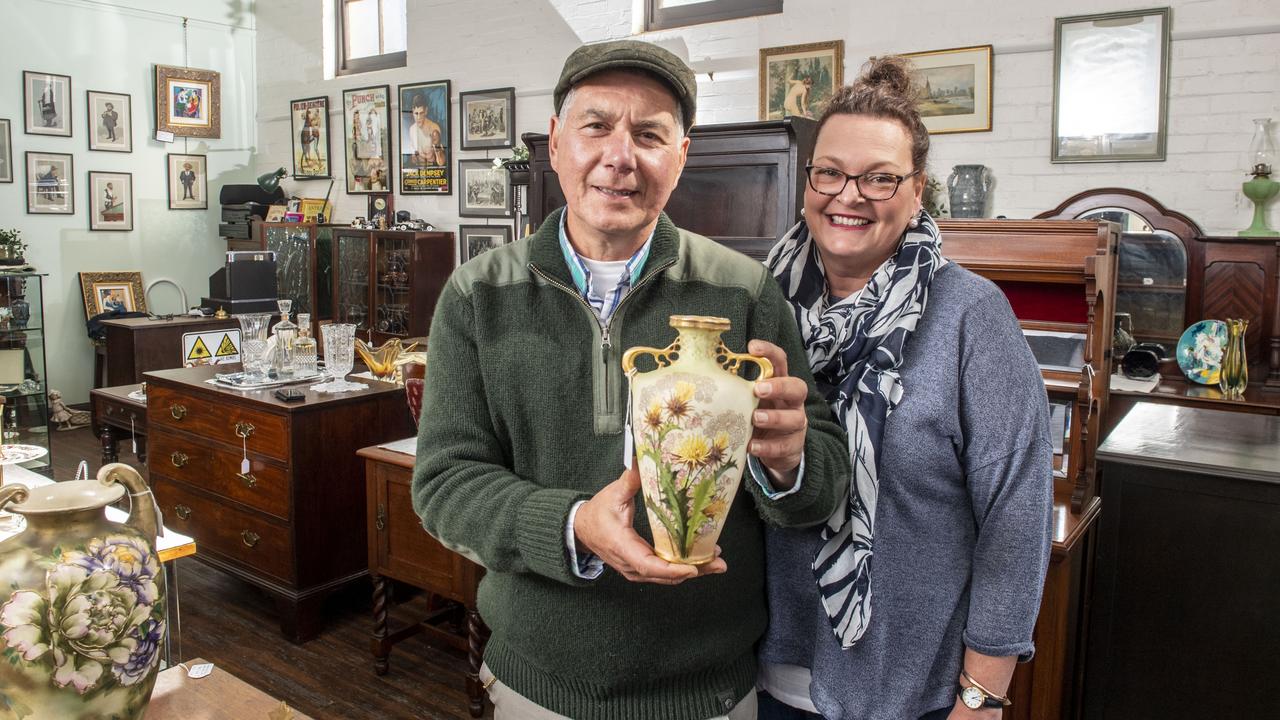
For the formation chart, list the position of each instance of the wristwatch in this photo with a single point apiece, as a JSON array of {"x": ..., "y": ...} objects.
[{"x": 975, "y": 697}]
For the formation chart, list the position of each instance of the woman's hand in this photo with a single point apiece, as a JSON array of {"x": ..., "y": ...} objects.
[
  {"x": 961, "y": 712},
  {"x": 780, "y": 420}
]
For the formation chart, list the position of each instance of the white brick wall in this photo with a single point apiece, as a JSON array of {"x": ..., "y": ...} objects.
[{"x": 1224, "y": 71}]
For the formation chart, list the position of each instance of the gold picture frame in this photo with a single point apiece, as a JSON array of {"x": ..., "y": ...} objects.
[
  {"x": 112, "y": 291},
  {"x": 799, "y": 79},
  {"x": 188, "y": 101},
  {"x": 955, "y": 88},
  {"x": 310, "y": 206}
]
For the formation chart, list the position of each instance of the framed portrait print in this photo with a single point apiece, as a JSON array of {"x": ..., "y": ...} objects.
[
  {"x": 50, "y": 190},
  {"x": 46, "y": 103},
  {"x": 424, "y": 138},
  {"x": 188, "y": 181},
  {"x": 6, "y": 152},
  {"x": 955, "y": 89},
  {"x": 110, "y": 121},
  {"x": 110, "y": 201},
  {"x": 188, "y": 101},
  {"x": 486, "y": 189},
  {"x": 799, "y": 79},
  {"x": 112, "y": 292},
  {"x": 368, "y": 141},
  {"x": 310, "y": 119},
  {"x": 487, "y": 118},
  {"x": 474, "y": 240},
  {"x": 1118, "y": 62}
]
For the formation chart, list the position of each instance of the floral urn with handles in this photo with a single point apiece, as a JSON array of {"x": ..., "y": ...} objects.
[
  {"x": 82, "y": 613},
  {"x": 691, "y": 423}
]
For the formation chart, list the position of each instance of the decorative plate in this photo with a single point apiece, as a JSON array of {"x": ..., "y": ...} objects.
[
  {"x": 13, "y": 454},
  {"x": 1200, "y": 351}
]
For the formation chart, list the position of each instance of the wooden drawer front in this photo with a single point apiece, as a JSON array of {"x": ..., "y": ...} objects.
[
  {"x": 268, "y": 434},
  {"x": 119, "y": 413},
  {"x": 407, "y": 552},
  {"x": 265, "y": 486},
  {"x": 242, "y": 536}
]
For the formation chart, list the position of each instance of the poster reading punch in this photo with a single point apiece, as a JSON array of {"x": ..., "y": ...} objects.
[
  {"x": 424, "y": 138},
  {"x": 368, "y": 141}
]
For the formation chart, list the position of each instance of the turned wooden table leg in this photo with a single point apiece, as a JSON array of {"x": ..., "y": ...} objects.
[
  {"x": 477, "y": 635},
  {"x": 110, "y": 452},
  {"x": 381, "y": 648},
  {"x": 141, "y": 441}
]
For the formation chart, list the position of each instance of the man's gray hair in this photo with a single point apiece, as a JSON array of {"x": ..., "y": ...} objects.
[{"x": 573, "y": 92}]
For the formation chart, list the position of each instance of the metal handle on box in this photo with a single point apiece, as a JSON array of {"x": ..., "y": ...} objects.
[
  {"x": 178, "y": 411},
  {"x": 178, "y": 458},
  {"x": 250, "y": 538}
]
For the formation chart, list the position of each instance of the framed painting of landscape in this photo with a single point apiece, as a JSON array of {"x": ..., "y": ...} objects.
[{"x": 955, "y": 89}]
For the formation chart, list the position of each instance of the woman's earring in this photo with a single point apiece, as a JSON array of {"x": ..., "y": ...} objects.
[{"x": 915, "y": 222}]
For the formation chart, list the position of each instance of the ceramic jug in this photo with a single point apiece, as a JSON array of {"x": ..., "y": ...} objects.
[
  {"x": 83, "y": 613},
  {"x": 691, "y": 422},
  {"x": 968, "y": 186}
]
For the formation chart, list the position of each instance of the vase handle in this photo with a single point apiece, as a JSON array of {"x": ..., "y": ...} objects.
[
  {"x": 13, "y": 493},
  {"x": 732, "y": 361},
  {"x": 143, "y": 517},
  {"x": 661, "y": 357}
]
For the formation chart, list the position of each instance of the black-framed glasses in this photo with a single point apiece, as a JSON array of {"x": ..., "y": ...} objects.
[{"x": 871, "y": 185}]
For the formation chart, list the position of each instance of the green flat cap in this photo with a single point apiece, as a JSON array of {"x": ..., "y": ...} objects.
[{"x": 631, "y": 54}]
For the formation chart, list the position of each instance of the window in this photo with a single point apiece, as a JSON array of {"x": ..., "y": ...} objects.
[
  {"x": 371, "y": 35},
  {"x": 664, "y": 14}
]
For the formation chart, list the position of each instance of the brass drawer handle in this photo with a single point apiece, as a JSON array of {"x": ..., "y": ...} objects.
[
  {"x": 381, "y": 520},
  {"x": 182, "y": 511},
  {"x": 248, "y": 478},
  {"x": 110, "y": 410},
  {"x": 178, "y": 458},
  {"x": 178, "y": 411},
  {"x": 244, "y": 429},
  {"x": 250, "y": 538}
]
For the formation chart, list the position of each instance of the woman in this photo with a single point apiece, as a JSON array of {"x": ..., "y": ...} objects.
[{"x": 928, "y": 581}]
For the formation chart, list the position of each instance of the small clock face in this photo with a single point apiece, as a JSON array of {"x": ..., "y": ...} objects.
[
  {"x": 380, "y": 203},
  {"x": 971, "y": 697}
]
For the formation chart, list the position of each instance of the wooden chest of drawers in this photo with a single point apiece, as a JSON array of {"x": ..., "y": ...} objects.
[{"x": 294, "y": 524}]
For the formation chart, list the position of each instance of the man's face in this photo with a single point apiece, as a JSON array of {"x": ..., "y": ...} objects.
[
  {"x": 419, "y": 115},
  {"x": 619, "y": 154}
]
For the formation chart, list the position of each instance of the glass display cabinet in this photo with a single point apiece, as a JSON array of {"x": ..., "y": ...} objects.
[{"x": 26, "y": 417}]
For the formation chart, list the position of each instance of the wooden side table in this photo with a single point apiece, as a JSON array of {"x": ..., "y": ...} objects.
[
  {"x": 116, "y": 414},
  {"x": 219, "y": 695},
  {"x": 399, "y": 549}
]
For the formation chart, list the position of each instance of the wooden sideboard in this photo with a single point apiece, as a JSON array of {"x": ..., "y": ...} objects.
[{"x": 294, "y": 524}]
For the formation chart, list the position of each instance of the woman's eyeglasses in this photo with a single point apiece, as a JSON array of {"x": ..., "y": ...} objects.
[{"x": 872, "y": 185}]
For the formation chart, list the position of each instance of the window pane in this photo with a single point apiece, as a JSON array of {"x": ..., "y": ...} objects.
[
  {"x": 393, "y": 26},
  {"x": 362, "y": 28}
]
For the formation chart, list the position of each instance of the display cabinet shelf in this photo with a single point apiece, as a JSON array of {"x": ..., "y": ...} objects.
[{"x": 25, "y": 418}]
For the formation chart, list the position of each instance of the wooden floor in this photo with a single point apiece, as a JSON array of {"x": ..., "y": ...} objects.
[{"x": 233, "y": 625}]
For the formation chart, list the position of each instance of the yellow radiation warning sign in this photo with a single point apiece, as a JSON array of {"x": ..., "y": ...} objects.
[
  {"x": 196, "y": 348},
  {"x": 198, "y": 351}
]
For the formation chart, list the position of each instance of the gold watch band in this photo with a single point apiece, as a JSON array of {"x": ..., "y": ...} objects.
[{"x": 1003, "y": 700}]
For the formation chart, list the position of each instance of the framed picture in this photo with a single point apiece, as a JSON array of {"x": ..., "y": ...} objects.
[
  {"x": 188, "y": 180},
  {"x": 310, "y": 207},
  {"x": 46, "y": 103},
  {"x": 486, "y": 190},
  {"x": 955, "y": 89},
  {"x": 112, "y": 292},
  {"x": 424, "y": 138},
  {"x": 799, "y": 79},
  {"x": 474, "y": 240},
  {"x": 488, "y": 118},
  {"x": 368, "y": 141},
  {"x": 275, "y": 213},
  {"x": 110, "y": 201},
  {"x": 1118, "y": 62},
  {"x": 310, "y": 138},
  {"x": 110, "y": 121},
  {"x": 6, "y": 152},
  {"x": 188, "y": 101},
  {"x": 50, "y": 190}
]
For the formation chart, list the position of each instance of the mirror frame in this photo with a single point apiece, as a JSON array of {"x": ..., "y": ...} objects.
[{"x": 1162, "y": 118}]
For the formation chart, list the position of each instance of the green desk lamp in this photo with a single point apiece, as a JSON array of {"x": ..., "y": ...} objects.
[
  {"x": 1261, "y": 188},
  {"x": 270, "y": 182}
]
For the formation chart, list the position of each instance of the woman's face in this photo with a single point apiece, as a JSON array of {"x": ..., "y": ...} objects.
[{"x": 856, "y": 235}]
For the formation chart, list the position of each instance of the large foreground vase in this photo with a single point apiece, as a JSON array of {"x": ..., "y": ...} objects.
[
  {"x": 82, "y": 612},
  {"x": 691, "y": 421}
]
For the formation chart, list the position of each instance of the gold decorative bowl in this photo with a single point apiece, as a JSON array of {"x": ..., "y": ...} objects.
[{"x": 382, "y": 362}]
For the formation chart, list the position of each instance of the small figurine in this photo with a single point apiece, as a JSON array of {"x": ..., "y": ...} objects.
[{"x": 65, "y": 417}]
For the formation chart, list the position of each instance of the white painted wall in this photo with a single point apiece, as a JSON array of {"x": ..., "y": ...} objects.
[
  {"x": 112, "y": 45},
  {"x": 1224, "y": 71}
]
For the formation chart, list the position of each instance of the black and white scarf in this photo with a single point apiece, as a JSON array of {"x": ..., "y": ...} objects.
[{"x": 855, "y": 348}]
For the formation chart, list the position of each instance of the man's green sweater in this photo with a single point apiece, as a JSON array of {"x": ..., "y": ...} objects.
[{"x": 523, "y": 416}]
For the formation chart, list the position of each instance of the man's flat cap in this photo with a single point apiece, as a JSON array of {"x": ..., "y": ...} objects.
[{"x": 636, "y": 55}]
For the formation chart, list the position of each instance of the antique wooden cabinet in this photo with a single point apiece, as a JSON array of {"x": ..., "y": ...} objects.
[
  {"x": 743, "y": 184},
  {"x": 294, "y": 522}
]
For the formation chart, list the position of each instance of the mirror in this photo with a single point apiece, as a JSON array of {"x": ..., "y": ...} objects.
[{"x": 1110, "y": 86}]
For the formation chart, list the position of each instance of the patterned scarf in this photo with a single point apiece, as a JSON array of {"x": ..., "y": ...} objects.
[{"x": 855, "y": 348}]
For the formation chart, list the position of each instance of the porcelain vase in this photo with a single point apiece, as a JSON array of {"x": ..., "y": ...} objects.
[
  {"x": 691, "y": 423},
  {"x": 83, "y": 614},
  {"x": 968, "y": 186}
]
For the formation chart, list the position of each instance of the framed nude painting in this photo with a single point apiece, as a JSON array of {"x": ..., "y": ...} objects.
[{"x": 799, "y": 79}]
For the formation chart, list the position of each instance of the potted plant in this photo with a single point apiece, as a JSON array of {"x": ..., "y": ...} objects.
[
  {"x": 12, "y": 248},
  {"x": 517, "y": 165}
]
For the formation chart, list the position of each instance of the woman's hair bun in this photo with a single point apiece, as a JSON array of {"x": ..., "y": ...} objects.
[{"x": 891, "y": 74}]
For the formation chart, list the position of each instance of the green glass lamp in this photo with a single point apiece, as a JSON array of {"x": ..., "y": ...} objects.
[
  {"x": 270, "y": 182},
  {"x": 1261, "y": 188}
]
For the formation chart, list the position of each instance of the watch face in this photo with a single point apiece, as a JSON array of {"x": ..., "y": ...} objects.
[
  {"x": 380, "y": 203},
  {"x": 971, "y": 697}
]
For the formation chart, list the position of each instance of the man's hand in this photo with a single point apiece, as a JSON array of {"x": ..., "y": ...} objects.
[
  {"x": 780, "y": 420},
  {"x": 603, "y": 526}
]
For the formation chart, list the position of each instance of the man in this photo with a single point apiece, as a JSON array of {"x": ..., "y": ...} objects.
[
  {"x": 425, "y": 144},
  {"x": 524, "y": 411},
  {"x": 109, "y": 119},
  {"x": 49, "y": 105},
  {"x": 188, "y": 179}
]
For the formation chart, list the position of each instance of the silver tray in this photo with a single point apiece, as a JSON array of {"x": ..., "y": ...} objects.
[{"x": 237, "y": 380}]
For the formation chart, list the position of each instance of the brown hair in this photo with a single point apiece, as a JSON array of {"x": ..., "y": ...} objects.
[{"x": 885, "y": 89}]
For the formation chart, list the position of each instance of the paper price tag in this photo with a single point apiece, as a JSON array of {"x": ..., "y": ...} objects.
[
  {"x": 164, "y": 136},
  {"x": 199, "y": 671}
]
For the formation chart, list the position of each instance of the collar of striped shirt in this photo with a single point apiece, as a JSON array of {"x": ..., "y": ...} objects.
[{"x": 603, "y": 306}]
